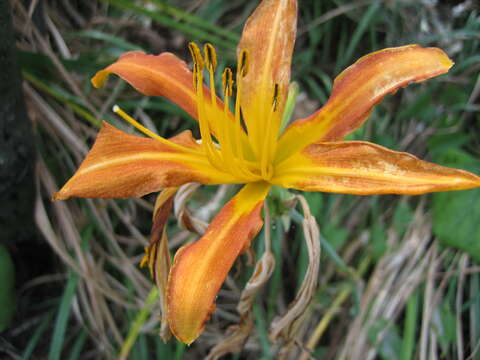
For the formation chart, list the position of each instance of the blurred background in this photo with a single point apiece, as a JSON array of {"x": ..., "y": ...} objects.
[{"x": 399, "y": 275}]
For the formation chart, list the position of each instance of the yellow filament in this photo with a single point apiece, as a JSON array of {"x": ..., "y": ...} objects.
[
  {"x": 238, "y": 126},
  {"x": 238, "y": 132},
  {"x": 231, "y": 156},
  {"x": 225, "y": 156},
  {"x": 116, "y": 109},
  {"x": 265, "y": 162},
  {"x": 225, "y": 135},
  {"x": 242, "y": 70}
]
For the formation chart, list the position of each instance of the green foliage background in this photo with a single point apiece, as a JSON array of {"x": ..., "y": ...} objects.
[{"x": 62, "y": 44}]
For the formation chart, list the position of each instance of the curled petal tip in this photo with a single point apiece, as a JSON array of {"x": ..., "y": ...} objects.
[
  {"x": 59, "y": 196},
  {"x": 444, "y": 59},
  {"x": 99, "y": 79}
]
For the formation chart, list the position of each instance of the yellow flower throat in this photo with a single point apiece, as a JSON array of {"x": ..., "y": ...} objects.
[{"x": 243, "y": 148}]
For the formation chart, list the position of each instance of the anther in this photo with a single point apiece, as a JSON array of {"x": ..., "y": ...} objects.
[
  {"x": 243, "y": 63},
  {"x": 275, "y": 97},
  {"x": 210, "y": 56},
  {"x": 196, "y": 56},
  {"x": 227, "y": 82}
]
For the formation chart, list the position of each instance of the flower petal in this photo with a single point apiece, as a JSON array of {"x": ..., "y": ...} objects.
[
  {"x": 358, "y": 88},
  {"x": 268, "y": 38},
  {"x": 200, "y": 268},
  {"x": 363, "y": 168},
  {"x": 159, "y": 75},
  {"x": 121, "y": 165}
]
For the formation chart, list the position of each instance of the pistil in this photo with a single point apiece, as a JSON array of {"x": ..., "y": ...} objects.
[{"x": 117, "y": 110}]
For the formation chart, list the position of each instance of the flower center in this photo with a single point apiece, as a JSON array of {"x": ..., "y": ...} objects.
[{"x": 227, "y": 139}]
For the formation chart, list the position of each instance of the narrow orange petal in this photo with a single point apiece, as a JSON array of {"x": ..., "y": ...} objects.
[
  {"x": 360, "y": 87},
  {"x": 121, "y": 165},
  {"x": 200, "y": 268},
  {"x": 268, "y": 38},
  {"x": 159, "y": 75},
  {"x": 363, "y": 168}
]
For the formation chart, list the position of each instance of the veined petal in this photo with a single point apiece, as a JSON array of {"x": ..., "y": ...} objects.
[
  {"x": 268, "y": 38},
  {"x": 160, "y": 75},
  {"x": 363, "y": 168},
  {"x": 121, "y": 165},
  {"x": 358, "y": 88},
  {"x": 199, "y": 269}
]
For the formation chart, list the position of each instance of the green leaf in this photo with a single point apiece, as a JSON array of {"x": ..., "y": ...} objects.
[
  {"x": 378, "y": 241},
  {"x": 336, "y": 236},
  {"x": 110, "y": 39},
  {"x": 7, "y": 292},
  {"x": 59, "y": 332},
  {"x": 402, "y": 218},
  {"x": 456, "y": 213},
  {"x": 35, "y": 337},
  {"x": 445, "y": 326}
]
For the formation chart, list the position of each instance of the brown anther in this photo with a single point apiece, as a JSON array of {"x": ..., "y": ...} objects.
[
  {"x": 210, "y": 56},
  {"x": 276, "y": 92},
  {"x": 227, "y": 82},
  {"x": 196, "y": 57},
  {"x": 243, "y": 63}
]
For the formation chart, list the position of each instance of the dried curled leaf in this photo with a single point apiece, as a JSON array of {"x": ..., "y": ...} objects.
[
  {"x": 288, "y": 326},
  {"x": 157, "y": 255},
  {"x": 182, "y": 212}
]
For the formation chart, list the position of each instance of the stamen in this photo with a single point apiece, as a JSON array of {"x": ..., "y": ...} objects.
[
  {"x": 237, "y": 125},
  {"x": 224, "y": 133},
  {"x": 198, "y": 67},
  {"x": 116, "y": 109}
]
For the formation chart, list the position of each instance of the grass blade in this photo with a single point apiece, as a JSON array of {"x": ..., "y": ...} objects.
[{"x": 63, "y": 315}]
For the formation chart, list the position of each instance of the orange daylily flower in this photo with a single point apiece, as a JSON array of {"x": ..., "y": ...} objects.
[{"x": 246, "y": 145}]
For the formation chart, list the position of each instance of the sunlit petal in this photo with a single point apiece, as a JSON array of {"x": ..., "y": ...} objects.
[
  {"x": 121, "y": 165},
  {"x": 200, "y": 268},
  {"x": 363, "y": 168},
  {"x": 358, "y": 88}
]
